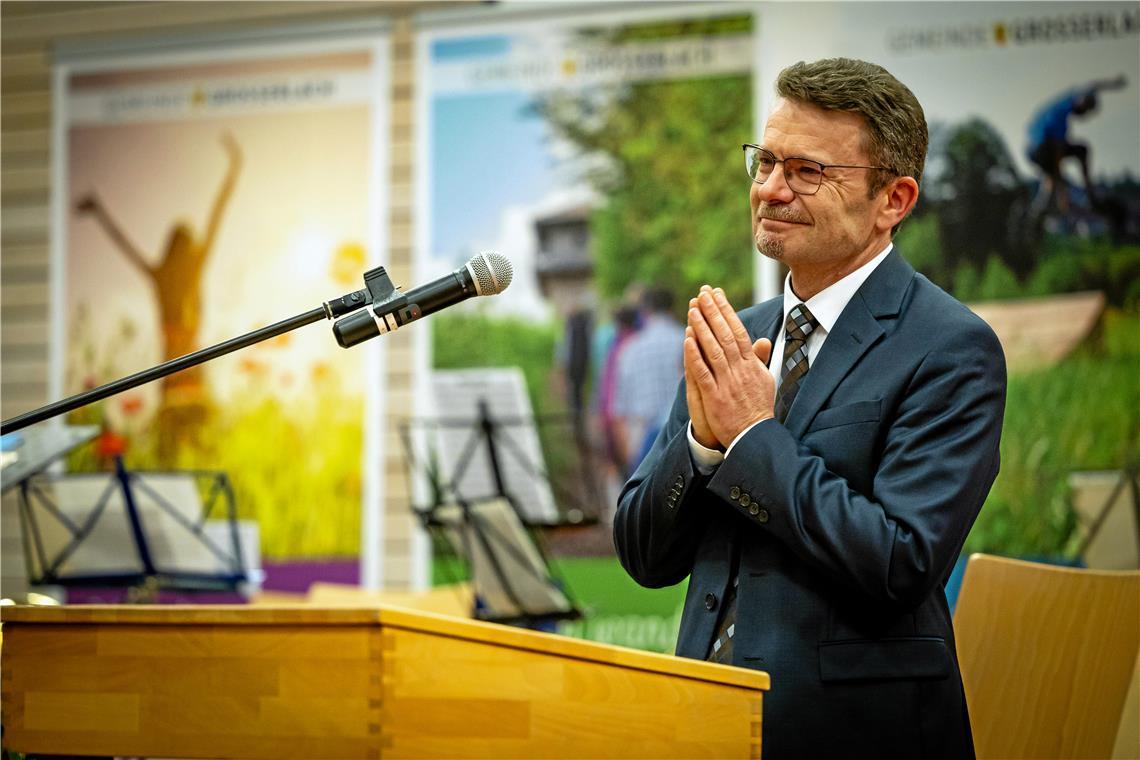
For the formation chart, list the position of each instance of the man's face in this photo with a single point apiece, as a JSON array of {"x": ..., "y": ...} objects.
[{"x": 833, "y": 230}]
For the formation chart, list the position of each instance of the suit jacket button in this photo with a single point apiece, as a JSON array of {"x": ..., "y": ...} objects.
[
  {"x": 680, "y": 481},
  {"x": 754, "y": 510},
  {"x": 734, "y": 493},
  {"x": 710, "y": 602},
  {"x": 762, "y": 516},
  {"x": 745, "y": 500}
]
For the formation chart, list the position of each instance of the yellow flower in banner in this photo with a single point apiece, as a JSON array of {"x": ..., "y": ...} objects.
[
  {"x": 321, "y": 372},
  {"x": 347, "y": 266}
]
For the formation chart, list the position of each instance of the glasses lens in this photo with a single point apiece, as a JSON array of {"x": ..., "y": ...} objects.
[
  {"x": 759, "y": 163},
  {"x": 803, "y": 176}
]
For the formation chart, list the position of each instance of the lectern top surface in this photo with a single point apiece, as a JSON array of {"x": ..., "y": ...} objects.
[{"x": 394, "y": 617}]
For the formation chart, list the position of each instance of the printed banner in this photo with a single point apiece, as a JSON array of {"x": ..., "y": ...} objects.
[{"x": 203, "y": 201}]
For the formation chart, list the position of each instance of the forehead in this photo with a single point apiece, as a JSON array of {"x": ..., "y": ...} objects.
[{"x": 795, "y": 128}]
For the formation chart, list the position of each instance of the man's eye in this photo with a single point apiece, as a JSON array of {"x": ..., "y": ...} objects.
[
  {"x": 766, "y": 164},
  {"x": 808, "y": 171}
]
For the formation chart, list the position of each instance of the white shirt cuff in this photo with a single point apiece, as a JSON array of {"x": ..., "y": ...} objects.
[{"x": 705, "y": 459}]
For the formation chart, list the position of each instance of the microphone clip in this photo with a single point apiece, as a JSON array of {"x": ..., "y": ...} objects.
[
  {"x": 378, "y": 289},
  {"x": 379, "y": 285},
  {"x": 390, "y": 307}
]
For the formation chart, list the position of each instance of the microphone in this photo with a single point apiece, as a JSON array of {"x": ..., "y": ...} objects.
[{"x": 486, "y": 274}]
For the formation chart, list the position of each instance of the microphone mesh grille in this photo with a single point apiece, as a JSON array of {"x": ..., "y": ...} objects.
[{"x": 492, "y": 273}]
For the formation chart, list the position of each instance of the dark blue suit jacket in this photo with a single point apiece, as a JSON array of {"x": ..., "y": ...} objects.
[{"x": 848, "y": 519}]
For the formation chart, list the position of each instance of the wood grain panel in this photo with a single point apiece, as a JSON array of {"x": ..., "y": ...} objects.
[
  {"x": 25, "y": 63},
  {"x": 207, "y": 690},
  {"x": 17, "y": 142},
  {"x": 20, "y": 398},
  {"x": 25, "y": 221},
  {"x": 26, "y": 179},
  {"x": 26, "y": 294},
  {"x": 436, "y": 705},
  {"x": 1046, "y": 656},
  {"x": 88, "y": 712},
  {"x": 21, "y": 334},
  {"x": 209, "y": 682},
  {"x": 81, "y": 20},
  {"x": 25, "y": 255}
]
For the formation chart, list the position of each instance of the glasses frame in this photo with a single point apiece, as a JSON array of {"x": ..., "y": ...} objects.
[{"x": 822, "y": 167}]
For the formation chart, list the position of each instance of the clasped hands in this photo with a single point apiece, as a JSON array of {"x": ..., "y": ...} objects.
[{"x": 728, "y": 386}]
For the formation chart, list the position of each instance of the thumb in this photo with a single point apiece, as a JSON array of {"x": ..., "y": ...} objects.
[{"x": 763, "y": 349}]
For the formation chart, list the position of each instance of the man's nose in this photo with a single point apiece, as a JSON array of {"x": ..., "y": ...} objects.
[{"x": 775, "y": 189}]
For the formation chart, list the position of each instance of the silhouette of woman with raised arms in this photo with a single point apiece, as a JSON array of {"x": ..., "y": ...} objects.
[{"x": 177, "y": 283}]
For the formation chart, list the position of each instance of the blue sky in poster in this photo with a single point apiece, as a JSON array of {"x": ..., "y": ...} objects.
[
  {"x": 465, "y": 48},
  {"x": 471, "y": 184}
]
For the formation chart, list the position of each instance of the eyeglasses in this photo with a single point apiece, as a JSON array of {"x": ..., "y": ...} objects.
[{"x": 803, "y": 175}]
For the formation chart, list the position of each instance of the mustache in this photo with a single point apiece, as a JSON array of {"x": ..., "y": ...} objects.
[{"x": 781, "y": 214}]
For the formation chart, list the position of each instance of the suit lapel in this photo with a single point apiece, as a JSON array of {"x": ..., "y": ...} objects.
[
  {"x": 857, "y": 329},
  {"x": 765, "y": 322}
]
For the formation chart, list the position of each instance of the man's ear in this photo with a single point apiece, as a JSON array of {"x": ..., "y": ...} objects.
[{"x": 898, "y": 198}]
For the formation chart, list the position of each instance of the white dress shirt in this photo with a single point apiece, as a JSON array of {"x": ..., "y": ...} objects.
[{"x": 825, "y": 306}]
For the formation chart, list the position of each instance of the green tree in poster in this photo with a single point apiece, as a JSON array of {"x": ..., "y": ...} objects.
[
  {"x": 980, "y": 200},
  {"x": 666, "y": 159}
]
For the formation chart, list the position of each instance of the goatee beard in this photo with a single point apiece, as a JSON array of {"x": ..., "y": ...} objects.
[{"x": 773, "y": 248}]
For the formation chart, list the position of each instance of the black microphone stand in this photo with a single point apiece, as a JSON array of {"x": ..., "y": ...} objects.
[{"x": 379, "y": 289}]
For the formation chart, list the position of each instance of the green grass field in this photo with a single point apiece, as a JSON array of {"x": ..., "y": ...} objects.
[{"x": 615, "y": 609}]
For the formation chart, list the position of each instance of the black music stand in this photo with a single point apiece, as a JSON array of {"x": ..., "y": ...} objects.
[
  {"x": 144, "y": 531},
  {"x": 488, "y": 531}
]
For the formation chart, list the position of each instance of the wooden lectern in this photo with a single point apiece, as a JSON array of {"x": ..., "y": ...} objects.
[{"x": 259, "y": 682}]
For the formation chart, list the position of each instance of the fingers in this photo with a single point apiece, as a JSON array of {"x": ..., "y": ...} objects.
[
  {"x": 696, "y": 377},
  {"x": 762, "y": 348},
  {"x": 739, "y": 332},
  {"x": 707, "y": 343},
  {"x": 714, "y": 316},
  {"x": 697, "y": 374}
]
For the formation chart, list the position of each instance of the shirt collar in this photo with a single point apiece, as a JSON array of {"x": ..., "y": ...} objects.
[{"x": 829, "y": 303}]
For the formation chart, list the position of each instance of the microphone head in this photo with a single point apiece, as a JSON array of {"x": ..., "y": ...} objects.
[{"x": 491, "y": 272}]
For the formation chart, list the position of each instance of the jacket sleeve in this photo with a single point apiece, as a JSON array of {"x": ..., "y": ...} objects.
[
  {"x": 939, "y": 457},
  {"x": 657, "y": 526}
]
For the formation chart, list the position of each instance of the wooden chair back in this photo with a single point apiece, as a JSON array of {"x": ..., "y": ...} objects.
[{"x": 1047, "y": 655}]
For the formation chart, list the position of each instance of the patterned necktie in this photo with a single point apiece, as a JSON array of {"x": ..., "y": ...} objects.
[
  {"x": 799, "y": 325},
  {"x": 797, "y": 328}
]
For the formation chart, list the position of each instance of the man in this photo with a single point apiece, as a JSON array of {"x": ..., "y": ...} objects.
[
  {"x": 819, "y": 507},
  {"x": 1049, "y": 143},
  {"x": 648, "y": 369}
]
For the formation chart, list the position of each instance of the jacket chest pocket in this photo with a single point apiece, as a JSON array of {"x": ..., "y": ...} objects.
[{"x": 856, "y": 413}]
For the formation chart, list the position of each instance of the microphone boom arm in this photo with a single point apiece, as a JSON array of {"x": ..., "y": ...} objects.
[{"x": 377, "y": 284}]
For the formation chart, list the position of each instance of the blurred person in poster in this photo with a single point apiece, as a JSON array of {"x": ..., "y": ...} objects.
[
  {"x": 648, "y": 369},
  {"x": 1050, "y": 145},
  {"x": 818, "y": 501},
  {"x": 610, "y": 338},
  {"x": 176, "y": 279},
  {"x": 574, "y": 362},
  {"x": 626, "y": 321}
]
